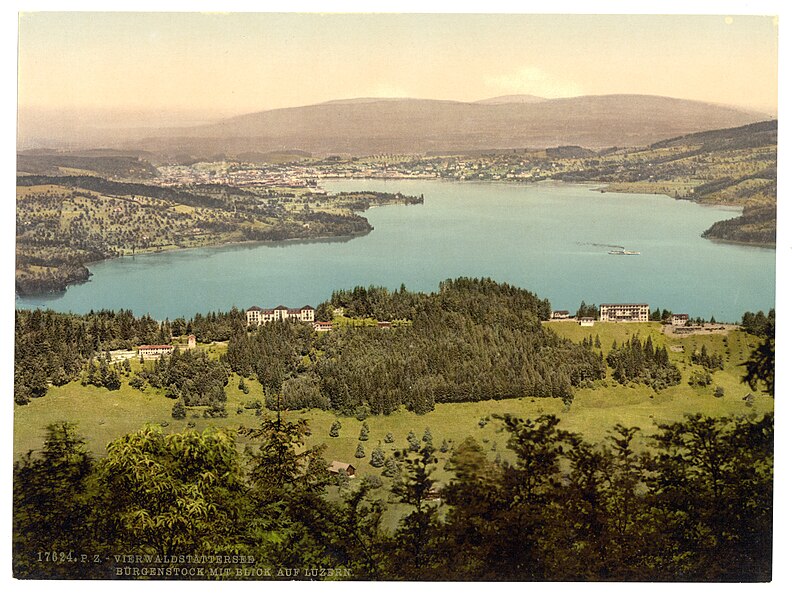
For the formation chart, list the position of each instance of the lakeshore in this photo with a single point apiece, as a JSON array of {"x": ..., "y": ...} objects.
[{"x": 530, "y": 235}]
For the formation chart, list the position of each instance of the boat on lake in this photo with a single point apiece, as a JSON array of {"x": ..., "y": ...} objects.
[{"x": 625, "y": 252}]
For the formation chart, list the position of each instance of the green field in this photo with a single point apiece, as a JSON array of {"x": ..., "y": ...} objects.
[{"x": 103, "y": 415}]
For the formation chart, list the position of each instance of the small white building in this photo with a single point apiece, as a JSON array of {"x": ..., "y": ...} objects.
[
  {"x": 323, "y": 326},
  {"x": 679, "y": 320},
  {"x": 586, "y": 321},
  {"x": 152, "y": 352}
]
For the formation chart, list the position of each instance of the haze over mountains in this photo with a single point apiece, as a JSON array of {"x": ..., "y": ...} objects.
[{"x": 364, "y": 126}]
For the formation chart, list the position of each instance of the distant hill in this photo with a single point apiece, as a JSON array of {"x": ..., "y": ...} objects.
[
  {"x": 370, "y": 126},
  {"x": 514, "y": 99},
  {"x": 737, "y": 138},
  {"x": 104, "y": 163}
]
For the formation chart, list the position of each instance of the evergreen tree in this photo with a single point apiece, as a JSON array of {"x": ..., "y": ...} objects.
[
  {"x": 51, "y": 507},
  {"x": 111, "y": 380},
  {"x": 360, "y": 452},
  {"x": 427, "y": 436},
  {"x": 389, "y": 438},
  {"x": 377, "y": 457},
  {"x": 178, "y": 412},
  {"x": 391, "y": 468},
  {"x": 364, "y": 432},
  {"x": 335, "y": 428}
]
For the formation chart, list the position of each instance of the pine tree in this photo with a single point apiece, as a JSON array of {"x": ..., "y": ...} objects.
[
  {"x": 364, "y": 432},
  {"x": 427, "y": 436},
  {"x": 391, "y": 468},
  {"x": 412, "y": 439},
  {"x": 179, "y": 412},
  {"x": 360, "y": 452},
  {"x": 377, "y": 457},
  {"x": 389, "y": 438},
  {"x": 335, "y": 428}
]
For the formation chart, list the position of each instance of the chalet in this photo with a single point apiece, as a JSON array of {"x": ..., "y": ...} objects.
[
  {"x": 257, "y": 316},
  {"x": 679, "y": 320},
  {"x": 338, "y": 467},
  {"x": 322, "y": 326},
  {"x": 559, "y": 315},
  {"x": 152, "y": 352},
  {"x": 586, "y": 321},
  {"x": 624, "y": 313}
]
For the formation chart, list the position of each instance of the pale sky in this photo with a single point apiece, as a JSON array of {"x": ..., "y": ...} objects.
[{"x": 227, "y": 64}]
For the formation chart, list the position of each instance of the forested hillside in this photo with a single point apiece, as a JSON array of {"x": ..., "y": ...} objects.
[
  {"x": 193, "y": 506},
  {"x": 472, "y": 340},
  {"x": 64, "y": 222}
]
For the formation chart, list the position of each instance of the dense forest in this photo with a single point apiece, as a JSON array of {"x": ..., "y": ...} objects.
[
  {"x": 696, "y": 506},
  {"x": 756, "y": 224},
  {"x": 474, "y": 339},
  {"x": 471, "y": 340},
  {"x": 54, "y": 348},
  {"x": 643, "y": 363}
]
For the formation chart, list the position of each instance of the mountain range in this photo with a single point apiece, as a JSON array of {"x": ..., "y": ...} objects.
[{"x": 365, "y": 126}]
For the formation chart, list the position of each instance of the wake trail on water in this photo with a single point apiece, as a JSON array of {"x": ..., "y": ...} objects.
[{"x": 601, "y": 245}]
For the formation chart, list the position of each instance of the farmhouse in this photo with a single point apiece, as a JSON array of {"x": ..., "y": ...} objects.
[
  {"x": 679, "y": 320},
  {"x": 559, "y": 315},
  {"x": 624, "y": 313},
  {"x": 151, "y": 352},
  {"x": 586, "y": 321},
  {"x": 258, "y": 316},
  {"x": 336, "y": 467},
  {"x": 323, "y": 326}
]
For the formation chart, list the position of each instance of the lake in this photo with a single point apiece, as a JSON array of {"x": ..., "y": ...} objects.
[{"x": 550, "y": 238}]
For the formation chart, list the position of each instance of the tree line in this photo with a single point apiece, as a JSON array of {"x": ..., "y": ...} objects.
[
  {"x": 54, "y": 348},
  {"x": 472, "y": 340},
  {"x": 696, "y": 505},
  {"x": 638, "y": 362}
]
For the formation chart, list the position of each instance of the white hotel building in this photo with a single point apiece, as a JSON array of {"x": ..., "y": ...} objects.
[
  {"x": 624, "y": 313},
  {"x": 258, "y": 316}
]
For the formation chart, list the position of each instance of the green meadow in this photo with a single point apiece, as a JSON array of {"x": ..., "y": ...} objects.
[{"x": 103, "y": 415}]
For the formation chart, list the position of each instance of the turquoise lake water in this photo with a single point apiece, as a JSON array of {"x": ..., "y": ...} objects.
[{"x": 540, "y": 237}]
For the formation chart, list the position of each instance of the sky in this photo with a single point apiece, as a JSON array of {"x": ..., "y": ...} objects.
[{"x": 205, "y": 65}]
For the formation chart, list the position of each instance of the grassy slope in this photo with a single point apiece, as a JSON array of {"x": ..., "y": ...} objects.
[{"x": 103, "y": 415}]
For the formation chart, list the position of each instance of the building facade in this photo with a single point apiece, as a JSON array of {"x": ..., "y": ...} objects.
[
  {"x": 679, "y": 320},
  {"x": 624, "y": 313},
  {"x": 151, "y": 352},
  {"x": 257, "y": 316}
]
